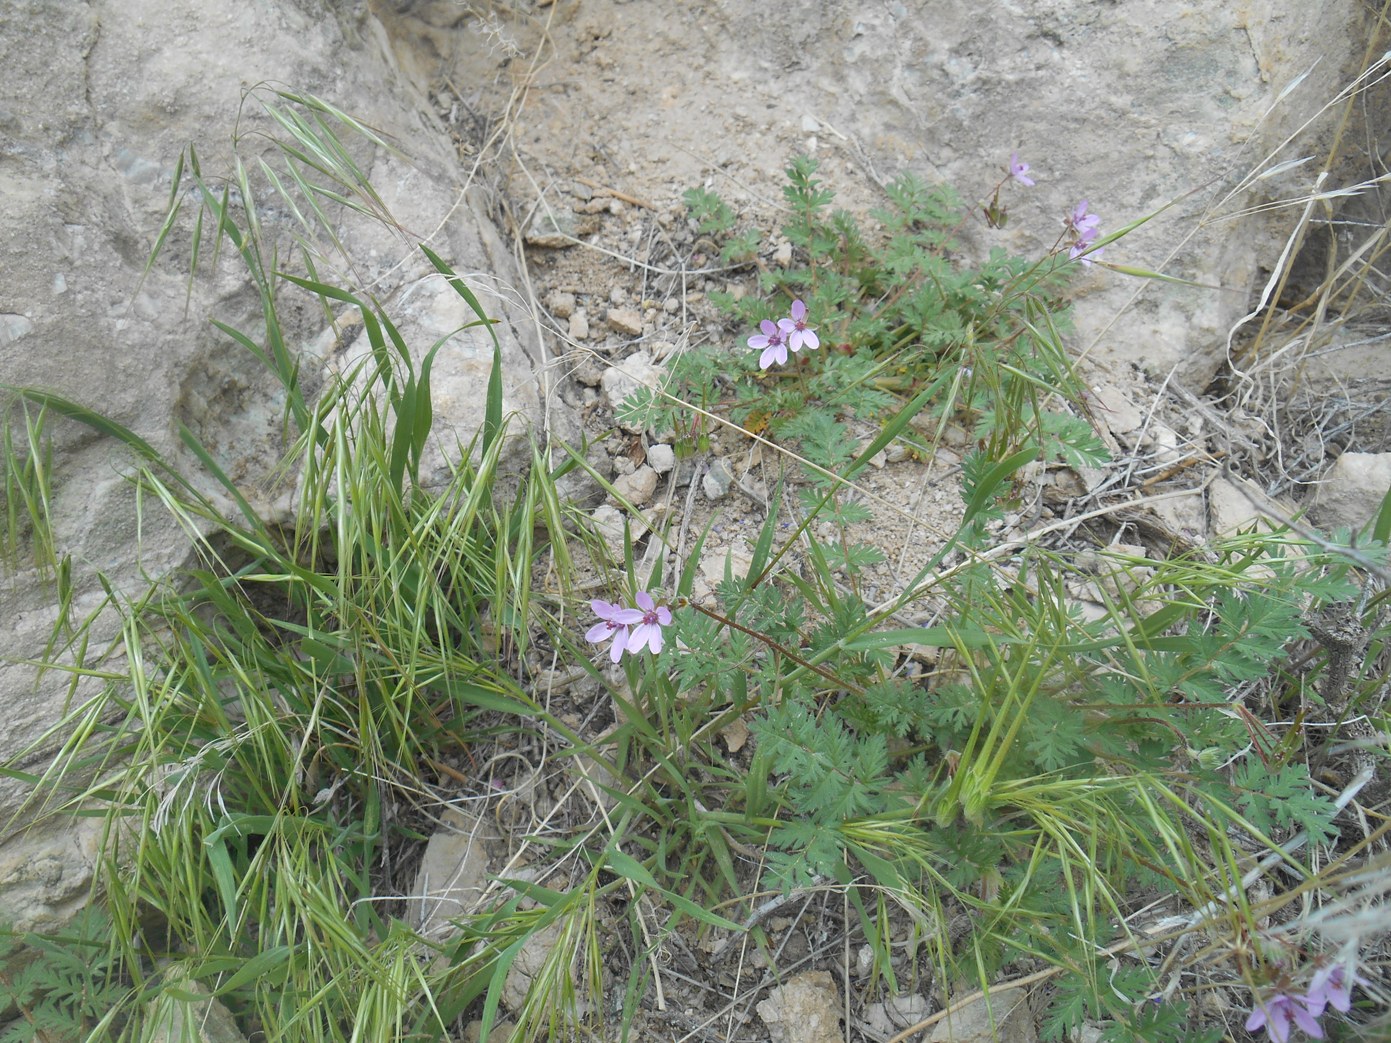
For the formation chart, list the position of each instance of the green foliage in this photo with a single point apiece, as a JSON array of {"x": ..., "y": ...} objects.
[
  {"x": 60, "y": 986},
  {"x": 1123, "y": 1001},
  {"x": 896, "y": 312},
  {"x": 1278, "y": 800},
  {"x": 26, "y": 477},
  {"x": 711, "y": 213},
  {"x": 1045, "y": 765}
]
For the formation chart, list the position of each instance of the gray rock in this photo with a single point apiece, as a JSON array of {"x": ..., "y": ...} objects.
[
  {"x": 1352, "y": 493},
  {"x": 661, "y": 457},
  {"x": 1234, "y": 504},
  {"x": 896, "y": 1013},
  {"x": 453, "y": 873},
  {"x": 579, "y": 325},
  {"x": 561, "y": 303},
  {"x": 1002, "y": 1017},
  {"x": 101, "y": 98},
  {"x": 528, "y": 964},
  {"x": 637, "y": 488},
  {"x": 627, "y": 321},
  {"x": 174, "y": 1019},
  {"x": 804, "y": 1009},
  {"x": 554, "y": 228},
  {"x": 715, "y": 483},
  {"x": 46, "y": 874}
]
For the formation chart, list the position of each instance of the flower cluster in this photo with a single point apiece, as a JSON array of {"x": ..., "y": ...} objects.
[
  {"x": 630, "y": 629},
  {"x": 1331, "y": 986},
  {"x": 1084, "y": 229},
  {"x": 776, "y": 338}
]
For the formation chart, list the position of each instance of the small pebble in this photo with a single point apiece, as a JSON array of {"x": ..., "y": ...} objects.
[
  {"x": 715, "y": 484},
  {"x": 579, "y": 325},
  {"x": 637, "y": 488},
  {"x": 661, "y": 458},
  {"x": 561, "y": 304},
  {"x": 625, "y": 320}
]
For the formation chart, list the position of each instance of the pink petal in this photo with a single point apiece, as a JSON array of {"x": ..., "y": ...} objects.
[
  {"x": 620, "y": 638},
  {"x": 645, "y": 601},
  {"x": 758, "y": 341},
  {"x": 603, "y": 609},
  {"x": 597, "y": 633},
  {"x": 1306, "y": 1021},
  {"x": 798, "y": 310},
  {"x": 768, "y": 327},
  {"x": 664, "y": 616},
  {"x": 810, "y": 340},
  {"x": 628, "y": 616},
  {"x": 787, "y": 325}
]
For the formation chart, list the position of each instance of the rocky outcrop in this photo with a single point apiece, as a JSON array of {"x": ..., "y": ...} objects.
[{"x": 100, "y": 99}]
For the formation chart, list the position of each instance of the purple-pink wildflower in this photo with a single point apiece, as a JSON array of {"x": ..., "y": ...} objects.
[
  {"x": 1019, "y": 171},
  {"x": 651, "y": 618},
  {"x": 1085, "y": 228},
  {"x": 614, "y": 621},
  {"x": 1279, "y": 1013},
  {"x": 1331, "y": 986},
  {"x": 770, "y": 341},
  {"x": 799, "y": 335}
]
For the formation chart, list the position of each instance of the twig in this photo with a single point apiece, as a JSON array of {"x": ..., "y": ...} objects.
[{"x": 613, "y": 192}]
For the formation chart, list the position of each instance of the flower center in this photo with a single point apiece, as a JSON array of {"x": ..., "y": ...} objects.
[{"x": 650, "y": 618}]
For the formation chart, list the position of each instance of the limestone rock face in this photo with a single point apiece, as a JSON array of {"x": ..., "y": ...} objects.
[
  {"x": 99, "y": 99},
  {"x": 1130, "y": 106}
]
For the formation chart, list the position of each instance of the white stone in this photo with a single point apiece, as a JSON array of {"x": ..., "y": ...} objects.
[
  {"x": 625, "y": 320},
  {"x": 579, "y": 324},
  {"x": 637, "y": 488},
  {"x": 661, "y": 457},
  {"x": 1002, "y": 1017},
  {"x": 1353, "y": 491},
  {"x": 1234, "y": 504},
  {"x": 804, "y": 1009},
  {"x": 453, "y": 873}
]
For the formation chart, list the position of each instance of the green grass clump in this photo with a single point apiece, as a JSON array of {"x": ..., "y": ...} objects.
[{"x": 270, "y": 715}]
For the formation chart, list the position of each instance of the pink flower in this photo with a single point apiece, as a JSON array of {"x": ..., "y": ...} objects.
[
  {"x": 1278, "y": 1013},
  {"x": 1020, "y": 171},
  {"x": 799, "y": 334},
  {"x": 650, "y": 621},
  {"x": 614, "y": 621},
  {"x": 1085, "y": 228},
  {"x": 770, "y": 340},
  {"x": 1331, "y": 986},
  {"x": 1081, "y": 222}
]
